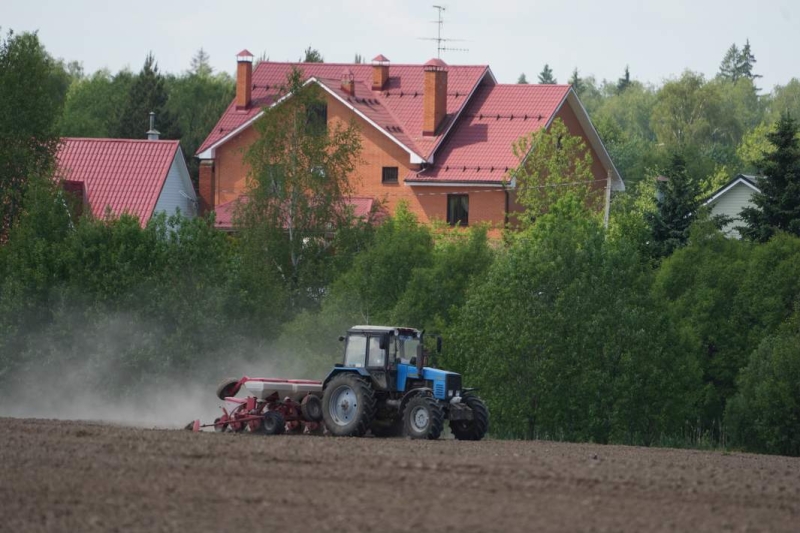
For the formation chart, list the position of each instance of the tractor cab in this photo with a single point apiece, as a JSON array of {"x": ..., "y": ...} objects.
[
  {"x": 381, "y": 352},
  {"x": 395, "y": 361}
]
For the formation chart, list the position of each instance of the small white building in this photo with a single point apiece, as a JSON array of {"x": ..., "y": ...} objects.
[
  {"x": 730, "y": 199},
  {"x": 138, "y": 177}
]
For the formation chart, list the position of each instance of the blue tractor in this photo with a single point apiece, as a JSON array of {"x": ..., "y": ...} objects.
[{"x": 384, "y": 386}]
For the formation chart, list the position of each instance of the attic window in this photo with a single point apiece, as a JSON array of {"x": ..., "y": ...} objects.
[
  {"x": 389, "y": 175},
  {"x": 318, "y": 117}
]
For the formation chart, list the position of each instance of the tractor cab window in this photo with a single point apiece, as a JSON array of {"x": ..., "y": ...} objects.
[
  {"x": 376, "y": 356},
  {"x": 407, "y": 348},
  {"x": 356, "y": 351}
]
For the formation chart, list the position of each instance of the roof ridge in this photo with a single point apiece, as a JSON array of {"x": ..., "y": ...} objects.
[
  {"x": 532, "y": 85},
  {"x": 475, "y": 65},
  {"x": 113, "y": 139}
]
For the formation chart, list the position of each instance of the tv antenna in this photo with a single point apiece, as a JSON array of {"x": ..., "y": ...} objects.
[{"x": 441, "y": 42}]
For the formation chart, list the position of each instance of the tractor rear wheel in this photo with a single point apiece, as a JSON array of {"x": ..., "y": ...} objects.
[
  {"x": 348, "y": 406},
  {"x": 476, "y": 428},
  {"x": 423, "y": 418},
  {"x": 227, "y": 387},
  {"x": 273, "y": 423}
]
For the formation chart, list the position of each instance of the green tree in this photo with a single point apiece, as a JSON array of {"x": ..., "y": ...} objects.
[
  {"x": 312, "y": 55},
  {"x": 746, "y": 63},
  {"x": 687, "y": 112},
  {"x": 196, "y": 100},
  {"x": 546, "y": 75},
  {"x": 380, "y": 274},
  {"x": 576, "y": 82},
  {"x": 148, "y": 92},
  {"x": 359, "y": 59},
  {"x": 522, "y": 79},
  {"x": 625, "y": 81},
  {"x": 565, "y": 343},
  {"x": 200, "y": 65},
  {"x": 298, "y": 187},
  {"x": 93, "y": 107},
  {"x": 785, "y": 100},
  {"x": 30, "y": 104},
  {"x": 765, "y": 415},
  {"x": 552, "y": 162},
  {"x": 435, "y": 293},
  {"x": 677, "y": 206},
  {"x": 777, "y": 205},
  {"x": 729, "y": 68}
]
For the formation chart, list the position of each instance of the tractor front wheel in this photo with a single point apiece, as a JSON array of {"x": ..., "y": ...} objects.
[
  {"x": 476, "y": 428},
  {"x": 423, "y": 418},
  {"x": 348, "y": 406}
]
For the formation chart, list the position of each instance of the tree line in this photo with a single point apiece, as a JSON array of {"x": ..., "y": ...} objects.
[{"x": 655, "y": 330}]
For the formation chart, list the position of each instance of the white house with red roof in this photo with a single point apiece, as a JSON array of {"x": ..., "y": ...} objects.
[
  {"x": 137, "y": 177},
  {"x": 436, "y": 136}
]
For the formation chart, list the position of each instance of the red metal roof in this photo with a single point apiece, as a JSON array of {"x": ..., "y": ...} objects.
[
  {"x": 362, "y": 208},
  {"x": 478, "y": 149},
  {"x": 123, "y": 175},
  {"x": 401, "y": 98},
  {"x": 380, "y": 58}
]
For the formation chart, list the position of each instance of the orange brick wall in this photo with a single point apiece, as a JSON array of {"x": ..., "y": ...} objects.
[
  {"x": 377, "y": 151},
  {"x": 567, "y": 115},
  {"x": 231, "y": 171}
]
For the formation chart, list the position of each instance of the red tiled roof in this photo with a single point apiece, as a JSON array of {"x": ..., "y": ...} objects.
[
  {"x": 401, "y": 99},
  {"x": 479, "y": 147},
  {"x": 124, "y": 175},
  {"x": 362, "y": 208},
  {"x": 380, "y": 58}
]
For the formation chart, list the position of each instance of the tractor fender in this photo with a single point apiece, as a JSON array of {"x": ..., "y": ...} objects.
[
  {"x": 340, "y": 370},
  {"x": 422, "y": 391}
]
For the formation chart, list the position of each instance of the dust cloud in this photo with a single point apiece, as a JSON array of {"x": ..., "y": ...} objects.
[{"x": 118, "y": 370}]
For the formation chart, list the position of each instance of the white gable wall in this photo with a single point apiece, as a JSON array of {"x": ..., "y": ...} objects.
[
  {"x": 177, "y": 192},
  {"x": 730, "y": 204}
]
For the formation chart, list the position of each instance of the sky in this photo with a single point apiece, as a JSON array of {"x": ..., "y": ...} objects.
[{"x": 656, "y": 39}]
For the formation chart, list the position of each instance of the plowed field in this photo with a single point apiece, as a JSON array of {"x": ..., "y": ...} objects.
[{"x": 78, "y": 476}]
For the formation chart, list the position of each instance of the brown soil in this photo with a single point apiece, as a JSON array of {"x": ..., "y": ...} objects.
[{"x": 78, "y": 476}]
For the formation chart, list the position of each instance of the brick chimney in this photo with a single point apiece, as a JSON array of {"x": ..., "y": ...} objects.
[
  {"x": 207, "y": 186},
  {"x": 434, "y": 105},
  {"x": 380, "y": 72},
  {"x": 244, "y": 79},
  {"x": 348, "y": 82}
]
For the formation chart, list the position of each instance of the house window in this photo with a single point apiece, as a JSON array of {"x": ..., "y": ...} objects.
[
  {"x": 317, "y": 114},
  {"x": 389, "y": 175},
  {"x": 458, "y": 209}
]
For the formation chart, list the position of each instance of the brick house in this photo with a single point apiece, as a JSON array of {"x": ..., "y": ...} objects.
[{"x": 437, "y": 136}]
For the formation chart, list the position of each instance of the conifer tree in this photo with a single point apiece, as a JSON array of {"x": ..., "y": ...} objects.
[
  {"x": 625, "y": 81},
  {"x": 576, "y": 81},
  {"x": 522, "y": 79},
  {"x": 200, "y": 65},
  {"x": 677, "y": 207},
  {"x": 546, "y": 75},
  {"x": 312, "y": 55},
  {"x": 746, "y": 63},
  {"x": 147, "y": 93},
  {"x": 777, "y": 206},
  {"x": 728, "y": 69}
]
